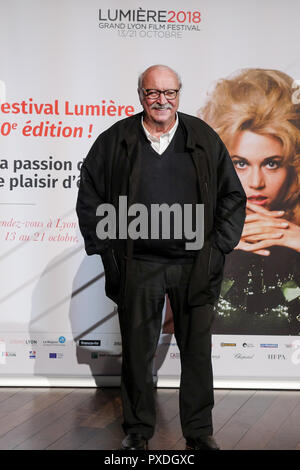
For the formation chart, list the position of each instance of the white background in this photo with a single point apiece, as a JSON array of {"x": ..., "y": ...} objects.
[{"x": 55, "y": 50}]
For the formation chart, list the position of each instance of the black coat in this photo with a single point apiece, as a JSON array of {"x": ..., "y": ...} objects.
[{"x": 111, "y": 169}]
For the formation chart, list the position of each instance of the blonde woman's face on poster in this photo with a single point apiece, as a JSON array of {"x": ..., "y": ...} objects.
[{"x": 258, "y": 160}]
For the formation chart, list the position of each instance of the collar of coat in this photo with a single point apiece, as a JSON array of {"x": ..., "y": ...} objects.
[{"x": 197, "y": 131}]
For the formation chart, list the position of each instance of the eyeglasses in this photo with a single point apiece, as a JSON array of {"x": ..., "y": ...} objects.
[{"x": 154, "y": 94}]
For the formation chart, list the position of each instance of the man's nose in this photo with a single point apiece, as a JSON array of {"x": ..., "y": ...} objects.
[{"x": 162, "y": 99}]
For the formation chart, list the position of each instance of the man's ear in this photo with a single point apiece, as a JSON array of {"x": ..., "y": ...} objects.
[{"x": 140, "y": 93}]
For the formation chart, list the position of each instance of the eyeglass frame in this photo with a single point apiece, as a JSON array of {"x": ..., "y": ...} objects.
[{"x": 160, "y": 92}]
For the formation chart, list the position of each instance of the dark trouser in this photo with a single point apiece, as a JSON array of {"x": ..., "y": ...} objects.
[{"x": 140, "y": 322}]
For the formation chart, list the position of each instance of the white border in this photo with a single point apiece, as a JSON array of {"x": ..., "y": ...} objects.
[{"x": 162, "y": 382}]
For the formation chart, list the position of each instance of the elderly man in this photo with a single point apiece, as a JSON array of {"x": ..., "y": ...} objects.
[{"x": 162, "y": 156}]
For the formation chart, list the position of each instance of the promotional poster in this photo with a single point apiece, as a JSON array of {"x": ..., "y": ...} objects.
[{"x": 69, "y": 71}]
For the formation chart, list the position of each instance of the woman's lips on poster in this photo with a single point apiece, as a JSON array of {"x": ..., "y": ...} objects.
[{"x": 258, "y": 199}]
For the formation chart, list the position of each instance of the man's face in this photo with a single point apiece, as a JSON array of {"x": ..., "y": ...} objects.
[{"x": 160, "y": 111}]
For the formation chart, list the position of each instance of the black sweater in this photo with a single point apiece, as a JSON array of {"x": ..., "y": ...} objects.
[{"x": 168, "y": 178}]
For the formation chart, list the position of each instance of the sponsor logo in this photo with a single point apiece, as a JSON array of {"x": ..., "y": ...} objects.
[
  {"x": 23, "y": 341},
  {"x": 117, "y": 343},
  {"x": 267, "y": 345},
  {"x": 60, "y": 342},
  {"x": 32, "y": 354},
  {"x": 248, "y": 345},
  {"x": 55, "y": 355},
  {"x": 228, "y": 344},
  {"x": 49, "y": 342},
  {"x": 16, "y": 341},
  {"x": 89, "y": 342},
  {"x": 277, "y": 357},
  {"x": 243, "y": 356},
  {"x": 9, "y": 354}
]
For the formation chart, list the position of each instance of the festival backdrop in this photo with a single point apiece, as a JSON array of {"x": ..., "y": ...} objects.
[{"x": 69, "y": 71}]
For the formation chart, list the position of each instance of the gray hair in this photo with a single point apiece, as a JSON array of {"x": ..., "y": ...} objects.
[{"x": 159, "y": 66}]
